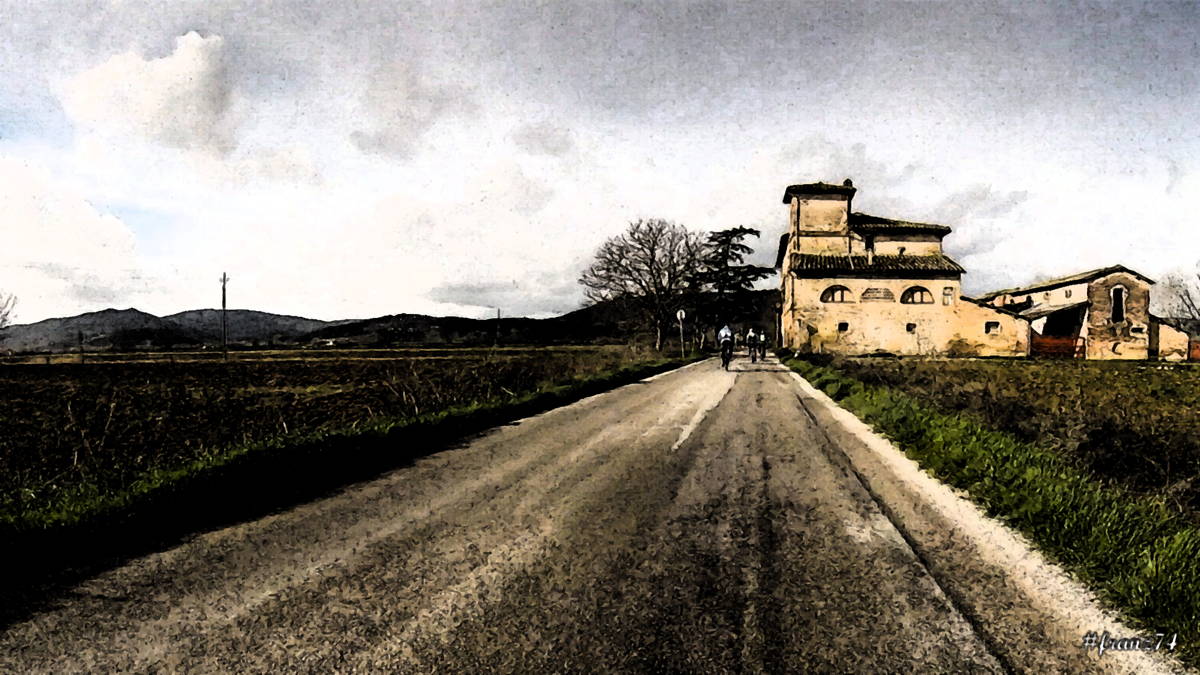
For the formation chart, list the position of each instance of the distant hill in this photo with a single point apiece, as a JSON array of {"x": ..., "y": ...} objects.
[
  {"x": 116, "y": 329},
  {"x": 131, "y": 329},
  {"x": 246, "y": 325},
  {"x": 604, "y": 322}
]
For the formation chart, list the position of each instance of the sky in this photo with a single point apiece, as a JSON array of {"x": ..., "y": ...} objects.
[{"x": 355, "y": 159}]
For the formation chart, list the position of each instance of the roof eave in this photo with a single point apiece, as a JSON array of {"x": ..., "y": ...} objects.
[
  {"x": 816, "y": 189},
  {"x": 1081, "y": 278}
]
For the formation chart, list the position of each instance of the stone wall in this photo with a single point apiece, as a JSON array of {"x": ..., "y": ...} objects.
[{"x": 1128, "y": 338}]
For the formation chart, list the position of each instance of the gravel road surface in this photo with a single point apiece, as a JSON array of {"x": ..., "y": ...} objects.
[{"x": 699, "y": 521}]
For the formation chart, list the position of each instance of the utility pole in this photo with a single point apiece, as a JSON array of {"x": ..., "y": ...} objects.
[
  {"x": 496, "y": 340},
  {"x": 681, "y": 315},
  {"x": 224, "y": 321}
]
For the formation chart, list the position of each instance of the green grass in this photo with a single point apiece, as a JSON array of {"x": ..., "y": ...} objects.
[
  {"x": 1138, "y": 553},
  {"x": 311, "y": 460}
]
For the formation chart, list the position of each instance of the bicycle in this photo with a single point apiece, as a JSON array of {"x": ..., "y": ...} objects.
[{"x": 726, "y": 353}]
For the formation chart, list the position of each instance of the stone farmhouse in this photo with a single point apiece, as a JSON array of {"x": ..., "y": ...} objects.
[
  {"x": 1099, "y": 314},
  {"x": 853, "y": 283}
]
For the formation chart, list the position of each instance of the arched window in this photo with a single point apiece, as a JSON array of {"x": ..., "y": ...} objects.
[
  {"x": 835, "y": 294},
  {"x": 917, "y": 295},
  {"x": 1118, "y": 304}
]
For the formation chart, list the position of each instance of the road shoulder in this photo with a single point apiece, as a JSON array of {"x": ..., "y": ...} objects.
[{"x": 1029, "y": 611}]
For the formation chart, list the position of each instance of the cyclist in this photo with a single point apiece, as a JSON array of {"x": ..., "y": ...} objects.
[
  {"x": 725, "y": 340},
  {"x": 762, "y": 344}
]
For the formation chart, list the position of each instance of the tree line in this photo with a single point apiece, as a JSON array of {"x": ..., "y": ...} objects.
[
  {"x": 8, "y": 302},
  {"x": 659, "y": 267}
]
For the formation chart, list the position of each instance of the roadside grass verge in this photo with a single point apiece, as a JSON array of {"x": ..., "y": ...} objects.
[
  {"x": 59, "y": 544},
  {"x": 348, "y": 446},
  {"x": 1136, "y": 552}
]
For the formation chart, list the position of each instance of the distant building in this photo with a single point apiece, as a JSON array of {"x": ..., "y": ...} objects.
[
  {"x": 1098, "y": 314},
  {"x": 852, "y": 283},
  {"x": 857, "y": 284}
]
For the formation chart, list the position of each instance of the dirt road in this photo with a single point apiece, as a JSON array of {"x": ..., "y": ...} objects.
[{"x": 700, "y": 521}]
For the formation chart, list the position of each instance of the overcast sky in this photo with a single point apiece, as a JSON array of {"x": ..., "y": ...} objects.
[{"x": 355, "y": 159}]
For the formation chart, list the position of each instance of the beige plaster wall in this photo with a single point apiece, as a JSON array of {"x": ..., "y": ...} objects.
[
  {"x": 1170, "y": 342},
  {"x": 821, "y": 244},
  {"x": 829, "y": 214},
  {"x": 884, "y": 325},
  {"x": 910, "y": 247},
  {"x": 1058, "y": 296},
  {"x": 913, "y": 245}
]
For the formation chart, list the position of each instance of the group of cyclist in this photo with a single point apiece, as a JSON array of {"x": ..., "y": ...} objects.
[{"x": 755, "y": 341}]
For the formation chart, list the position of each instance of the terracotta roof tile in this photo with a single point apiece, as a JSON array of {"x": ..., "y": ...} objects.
[
  {"x": 861, "y": 222},
  {"x": 810, "y": 265}
]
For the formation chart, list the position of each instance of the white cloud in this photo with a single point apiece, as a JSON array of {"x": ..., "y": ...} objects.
[
  {"x": 58, "y": 254},
  {"x": 182, "y": 100},
  {"x": 544, "y": 138},
  {"x": 401, "y": 104}
]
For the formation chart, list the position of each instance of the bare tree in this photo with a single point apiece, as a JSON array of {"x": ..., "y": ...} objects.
[
  {"x": 7, "y": 303},
  {"x": 1183, "y": 300},
  {"x": 654, "y": 264}
]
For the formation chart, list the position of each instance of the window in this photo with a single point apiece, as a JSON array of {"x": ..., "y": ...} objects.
[
  {"x": 991, "y": 327},
  {"x": 917, "y": 295},
  {"x": 1067, "y": 293},
  {"x": 948, "y": 295},
  {"x": 843, "y": 327},
  {"x": 910, "y": 327},
  {"x": 877, "y": 295},
  {"x": 836, "y": 294},
  {"x": 1118, "y": 304},
  {"x": 1138, "y": 330}
]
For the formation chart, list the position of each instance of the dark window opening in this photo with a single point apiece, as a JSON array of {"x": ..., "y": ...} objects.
[
  {"x": 911, "y": 327},
  {"x": 1118, "y": 304},
  {"x": 843, "y": 327},
  {"x": 917, "y": 295},
  {"x": 991, "y": 327},
  {"x": 836, "y": 294},
  {"x": 1138, "y": 329}
]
